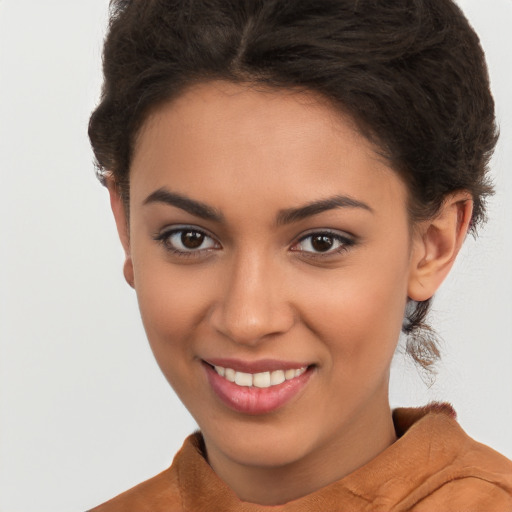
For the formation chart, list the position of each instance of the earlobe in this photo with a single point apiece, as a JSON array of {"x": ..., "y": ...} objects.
[
  {"x": 436, "y": 244},
  {"x": 128, "y": 271},
  {"x": 119, "y": 211}
]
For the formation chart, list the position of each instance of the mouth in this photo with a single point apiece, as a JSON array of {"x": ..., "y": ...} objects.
[
  {"x": 268, "y": 387},
  {"x": 260, "y": 380}
]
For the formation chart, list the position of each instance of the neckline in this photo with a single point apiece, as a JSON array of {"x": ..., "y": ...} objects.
[{"x": 421, "y": 432}]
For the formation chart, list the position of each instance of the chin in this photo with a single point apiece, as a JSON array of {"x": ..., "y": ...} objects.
[{"x": 262, "y": 445}]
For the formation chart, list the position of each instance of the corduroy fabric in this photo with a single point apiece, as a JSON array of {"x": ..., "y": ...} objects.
[{"x": 433, "y": 466}]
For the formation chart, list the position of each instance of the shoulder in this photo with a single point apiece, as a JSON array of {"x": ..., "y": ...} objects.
[
  {"x": 158, "y": 494},
  {"x": 469, "y": 493},
  {"x": 459, "y": 473},
  {"x": 154, "y": 495},
  {"x": 477, "y": 479}
]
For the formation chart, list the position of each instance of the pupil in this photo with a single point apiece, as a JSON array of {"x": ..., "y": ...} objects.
[
  {"x": 192, "y": 239},
  {"x": 322, "y": 243}
]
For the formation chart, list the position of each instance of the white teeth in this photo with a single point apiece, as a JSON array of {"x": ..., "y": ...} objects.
[
  {"x": 299, "y": 372},
  {"x": 230, "y": 374},
  {"x": 277, "y": 377},
  {"x": 289, "y": 374},
  {"x": 243, "y": 379},
  {"x": 259, "y": 380}
]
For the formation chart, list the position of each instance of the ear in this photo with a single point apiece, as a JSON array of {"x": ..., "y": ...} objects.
[
  {"x": 436, "y": 244},
  {"x": 119, "y": 211}
]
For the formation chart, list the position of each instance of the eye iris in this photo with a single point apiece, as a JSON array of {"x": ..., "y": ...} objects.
[
  {"x": 322, "y": 243},
  {"x": 192, "y": 239}
]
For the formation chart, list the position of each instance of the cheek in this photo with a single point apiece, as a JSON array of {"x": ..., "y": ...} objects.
[
  {"x": 172, "y": 301},
  {"x": 359, "y": 310},
  {"x": 168, "y": 293}
]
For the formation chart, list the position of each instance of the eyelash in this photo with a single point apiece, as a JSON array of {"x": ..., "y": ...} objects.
[
  {"x": 345, "y": 242},
  {"x": 165, "y": 236}
]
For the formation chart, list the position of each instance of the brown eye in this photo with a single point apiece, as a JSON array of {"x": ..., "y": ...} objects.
[
  {"x": 322, "y": 243},
  {"x": 192, "y": 239},
  {"x": 187, "y": 241}
]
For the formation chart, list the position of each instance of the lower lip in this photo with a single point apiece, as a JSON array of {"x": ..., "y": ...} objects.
[{"x": 253, "y": 400}]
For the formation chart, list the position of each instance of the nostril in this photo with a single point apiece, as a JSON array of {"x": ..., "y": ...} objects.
[{"x": 250, "y": 326}]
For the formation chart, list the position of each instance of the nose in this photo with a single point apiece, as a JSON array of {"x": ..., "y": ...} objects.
[{"x": 252, "y": 303}]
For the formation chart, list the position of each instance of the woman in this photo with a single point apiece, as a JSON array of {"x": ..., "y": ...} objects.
[{"x": 292, "y": 182}]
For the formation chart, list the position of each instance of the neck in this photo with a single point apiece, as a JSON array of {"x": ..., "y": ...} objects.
[{"x": 367, "y": 435}]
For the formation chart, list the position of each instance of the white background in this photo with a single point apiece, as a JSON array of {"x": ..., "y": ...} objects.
[{"x": 84, "y": 411}]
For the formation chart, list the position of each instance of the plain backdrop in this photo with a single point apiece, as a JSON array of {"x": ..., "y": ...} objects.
[{"x": 85, "y": 412}]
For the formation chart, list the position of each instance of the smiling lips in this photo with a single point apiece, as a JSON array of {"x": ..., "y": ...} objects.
[
  {"x": 260, "y": 392},
  {"x": 259, "y": 380}
]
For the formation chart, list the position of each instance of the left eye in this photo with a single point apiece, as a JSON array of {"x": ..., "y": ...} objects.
[
  {"x": 321, "y": 243},
  {"x": 187, "y": 240}
]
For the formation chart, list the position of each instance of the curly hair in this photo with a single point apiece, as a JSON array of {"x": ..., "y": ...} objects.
[{"x": 410, "y": 73}]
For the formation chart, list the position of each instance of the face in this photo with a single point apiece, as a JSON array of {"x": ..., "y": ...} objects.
[{"x": 269, "y": 240}]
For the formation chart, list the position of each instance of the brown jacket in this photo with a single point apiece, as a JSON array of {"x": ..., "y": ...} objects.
[{"x": 433, "y": 466}]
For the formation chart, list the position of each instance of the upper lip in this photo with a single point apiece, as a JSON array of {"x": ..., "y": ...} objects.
[{"x": 261, "y": 365}]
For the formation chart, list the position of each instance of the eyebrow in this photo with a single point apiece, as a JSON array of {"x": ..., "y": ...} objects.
[
  {"x": 295, "y": 214},
  {"x": 287, "y": 216},
  {"x": 191, "y": 206}
]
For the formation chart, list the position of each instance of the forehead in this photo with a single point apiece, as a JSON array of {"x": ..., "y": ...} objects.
[
  {"x": 221, "y": 141},
  {"x": 259, "y": 113}
]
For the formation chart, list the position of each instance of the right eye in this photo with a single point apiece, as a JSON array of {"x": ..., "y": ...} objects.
[{"x": 187, "y": 241}]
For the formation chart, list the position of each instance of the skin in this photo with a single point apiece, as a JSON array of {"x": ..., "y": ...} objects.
[{"x": 257, "y": 289}]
